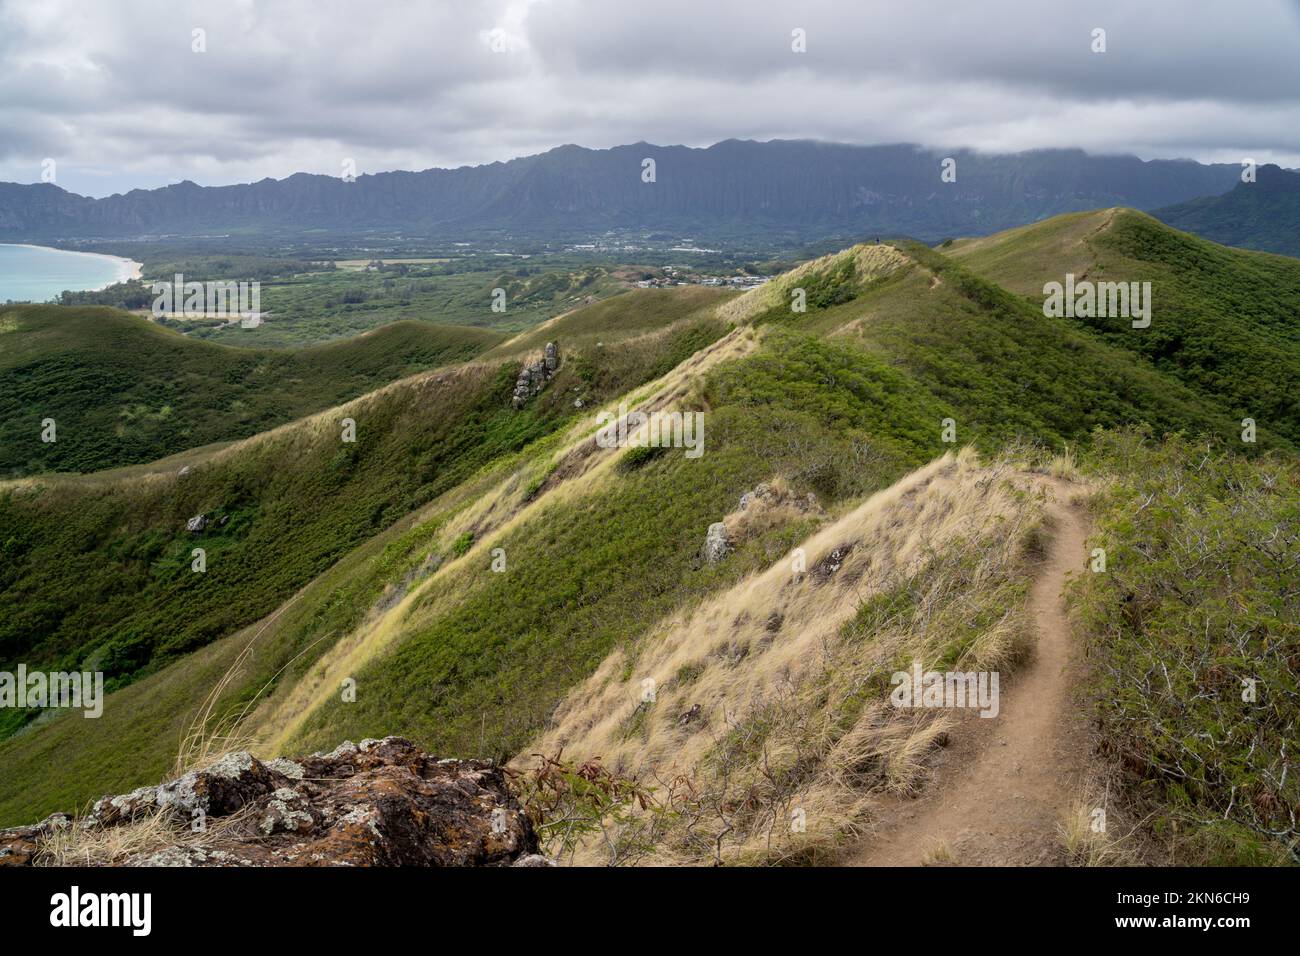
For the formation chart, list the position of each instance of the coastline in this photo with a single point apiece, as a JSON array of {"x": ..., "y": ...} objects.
[{"x": 127, "y": 269}]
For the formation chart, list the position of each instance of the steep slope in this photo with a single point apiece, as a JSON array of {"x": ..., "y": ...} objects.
[
  {"x": 1261, "y": 215},
  {"x": 752, "y": 192},
  {"x": 768, "y": 703},
  {"x": 1222, "y": 320},
  {"x": 838, "y": 401},
  {"x": 378, "y": 563},
  {"x": 123, "y": 390},
  {"x": 99, "y": 568},
  {"x": 1000, "y": 795}
]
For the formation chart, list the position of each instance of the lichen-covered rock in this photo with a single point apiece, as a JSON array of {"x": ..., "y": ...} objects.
[
  {"x": 287, "y": 767},
  {"x": 377, "y": 803},
  {"x": 717, "y": 543},
  {"x": 231, "y": 783},
  {"x": 534, "y": 376},
  {"x": 824, "y": 569},
  {"x": 762, "y": 492},
  {"x": 108, "y": 811},
  {"x": 19, "y": 845}
]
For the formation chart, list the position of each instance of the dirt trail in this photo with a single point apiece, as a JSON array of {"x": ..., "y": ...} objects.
[{"x": 1003, "y": 785}]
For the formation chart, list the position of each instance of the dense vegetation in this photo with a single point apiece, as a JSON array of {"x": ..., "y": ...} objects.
[
  {"x": 1193, "y": 628},
  {"x": 491, "y": 664},
  {"x": 1222, "y": 322},
  {"x": 122, "y": 391},
  {"x": 839, "y": 401},
  {"x": 318, "y": 306},
  {"x": 100, "y": 571},
  {"x": 1262, "y": 215}
]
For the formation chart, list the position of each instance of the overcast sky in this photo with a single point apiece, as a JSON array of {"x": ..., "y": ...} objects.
[{"x": 114, "y": 92}]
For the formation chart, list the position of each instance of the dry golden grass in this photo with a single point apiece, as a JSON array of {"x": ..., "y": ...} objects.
[
  {"x": 1064, "y": 466},
  {"x": 760, "y": 693},
  {"x": 938, "y": 854},
  {"x": 108, "y": 846},
  {"x": 494, "y": 513},
  {"x": 1094, "y": 833}
]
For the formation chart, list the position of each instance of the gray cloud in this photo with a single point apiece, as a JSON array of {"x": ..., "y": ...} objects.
[{"x": 115, "y": 94}]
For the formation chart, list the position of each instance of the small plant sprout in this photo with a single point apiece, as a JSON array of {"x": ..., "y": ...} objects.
[
  {"x": 498, "y": 300},
  {"x": 349, "y": 430},
  {"x": 949, "y": 433},
  {"x": 798, "y": 299},
  {"x": 200, "y": 562},
  {"x": 1098, "y": 563},
  {"x": 648, "y": 170},
  {"x": 348, "y": 690},
  {"x": 798, "y": 40},
  {"x": 498, "y": 560},
  {"x": 1098, "y": 40},
  {"x": 198, "y": 40},
  {"x": 1248, "y": 431},
  {"x": 49, "y": 170},
  {"x": 48, "y": 431},
  {"x": 1247, "y": 170},
  {"x": 948, "y": 170},
  {"x": 1249, "y": 690},
  {"x": 349, "y": 170},
  {"x": 798, "y": 820},
  {"x": 648, "y": 690}
]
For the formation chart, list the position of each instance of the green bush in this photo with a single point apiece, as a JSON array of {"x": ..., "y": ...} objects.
[{"x": 1194, "y": 628}]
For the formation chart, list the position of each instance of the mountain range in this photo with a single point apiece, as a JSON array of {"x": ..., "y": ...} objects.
[
  {"x": 1263, "y": 215},
  {"x": 777, "y": 191}
]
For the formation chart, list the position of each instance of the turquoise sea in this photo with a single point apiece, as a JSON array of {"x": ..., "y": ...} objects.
[{"x": 39, "y": 274}]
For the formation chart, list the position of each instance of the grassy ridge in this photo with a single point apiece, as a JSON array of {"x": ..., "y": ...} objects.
[
  {"x": 122, "y": 390},
  {"x": 1223, "y": 320},
  {"x": 101, "y": 572},
  {"x": 841, "y": 401},
  {"x": 842, "y": 418},
  {"x": 479, "y": 671}
]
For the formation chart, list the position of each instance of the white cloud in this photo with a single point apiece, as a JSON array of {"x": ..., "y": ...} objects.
[{"x": 115, "y": 94}]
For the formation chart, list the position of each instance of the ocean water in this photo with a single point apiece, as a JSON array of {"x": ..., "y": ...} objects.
[{"x": 38, "y": 274}]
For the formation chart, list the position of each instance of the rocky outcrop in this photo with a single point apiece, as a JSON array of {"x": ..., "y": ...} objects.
[
  {"x": 717, "y": 543},
  {"x": 772, "y": 495},
  {"x": 196, "y": 524},
  {"x": 377, "y": 803},
  {"x": 19, "y": 845},
  {"x": 534, "y": 376},
  {"x": 767, "y": 502}
]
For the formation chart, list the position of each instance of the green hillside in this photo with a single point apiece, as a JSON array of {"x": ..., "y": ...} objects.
[
  {"x": 1223, "y": 321},
  {"x": 374, "y": 561},
  {"x": 1262, "y": 215},
  {"x": 100, "y": 570},
  {"x": 122, "y": 390}
]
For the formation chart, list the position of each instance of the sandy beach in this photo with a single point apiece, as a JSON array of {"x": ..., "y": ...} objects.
[{"x": 127, "y": 269}]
